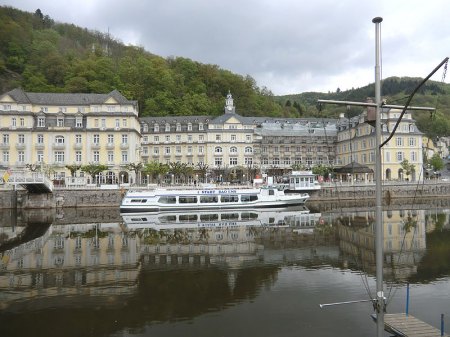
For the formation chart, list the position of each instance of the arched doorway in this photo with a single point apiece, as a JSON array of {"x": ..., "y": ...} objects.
[
  {"x": 388, "y": 174},
  {"x": 110, "y": 178},
  {"x": 123, "y": 177},
  {"x": 400, "y": 174}
]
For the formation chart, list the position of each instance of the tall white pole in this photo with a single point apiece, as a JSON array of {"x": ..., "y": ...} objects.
[{"x": 380, "y": 304}]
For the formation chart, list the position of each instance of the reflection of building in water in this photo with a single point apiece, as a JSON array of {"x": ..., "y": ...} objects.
[
  {"x": 404, "y": 240},
  {"x": 72, "y": 259}
]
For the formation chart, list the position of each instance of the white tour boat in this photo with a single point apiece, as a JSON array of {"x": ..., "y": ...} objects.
[{"x": 159, "y": 200}]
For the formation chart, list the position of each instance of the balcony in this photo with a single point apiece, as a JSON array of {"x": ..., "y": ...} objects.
[
  {"x": 20, "y": 146},
  {"x": 124, "y": 146},
  {"x": 59, "y": 146},
  {"x": 77, "y": 146},
  {"x": 39, "y": 146},
  {"x": 110, "y": 146},
  {"x": 95, "y": 146},
  {"x": 4, "y": 146}
]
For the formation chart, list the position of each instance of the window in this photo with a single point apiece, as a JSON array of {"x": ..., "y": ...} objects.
[
  {"x": 124, "y": 157},
  {"x": 41, "y": 122},
  {"x": 21, "y": 156},
  {"x": 413, "y": 156},
  {"x": 248, "y": 138},
  {"x": 412, "y": 141},
  {"x": 248, "y": 150},
  {"x": 110, "y": 108},
  {"x": 178, "y": 149},
  {"x": 5, "y": 156},
  {"x": 40, "y": 156},
  {"x": 59, "y": 157},
  {"x": 96, "y": 156},
  {"x": 399, "y": 156},
  {"x": 167, "y": 139},
  {"x": 13, "y": 122},
  {"x": 189, "y": 127},
  {"x": 218, "y": 149},
  {"x": 156, "y": 150},
  {"x": 60, "y": 121},
  {"x": 201, "y": 149},
  {"x": 145, "y": 127},
  {"x": 124, "y": 122},
  {"x": 110, "y": 139},
  {"x": 399, "y": 141},
  {"x": 22, "y": 121},
  {"x": 189, "y": 149},
  {"x": 78, "y": 139},
  {"x": 78, "y": 122},
  {"x": 233, "y": 138},
  {"x": 167, "y": 150},
  {"x": 248, "y": 161},
  {"x": 218, "y": 138},
  {"x": 189, "y": 138},
  {"x": 40, "y": 139},
  {"x": 233, "y": 150},
  {"x": 96, "y": 139},
  {"x": 178, "y": 138},
  {"x": 96, "y": 123},
  {"x": 124, "y": 139},
  {"x": 78, "y": 156},
  {"x": 59, "y": 139},
  {"x": 200, "y": 126},
  {"x": 21, "y": 139},
  {"x": 156, "y": 128},
  {"x": 103, "y": 123},
  {"x": 233, "y": 161},
  {"x": 167, "y": 127},
  {"x": 117, "y": 123},
  {"x": 218, "y": 161},
  {"x": 201, "y": 138},
  {"x": 178, "y": 126}
]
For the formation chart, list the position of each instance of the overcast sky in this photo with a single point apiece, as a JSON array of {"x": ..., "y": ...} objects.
[{"x": 288, "y": 46}]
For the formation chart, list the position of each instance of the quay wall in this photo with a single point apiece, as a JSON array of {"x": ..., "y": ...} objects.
[{"x": 392, "y": 193}]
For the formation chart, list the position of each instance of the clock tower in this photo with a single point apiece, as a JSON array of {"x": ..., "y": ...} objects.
[{"x": 229, "y": 105}]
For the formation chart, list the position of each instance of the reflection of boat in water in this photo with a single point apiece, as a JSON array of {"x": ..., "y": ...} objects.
[
  {"x": 290, "y": 217},
  {"x": 209, "y": 199}
]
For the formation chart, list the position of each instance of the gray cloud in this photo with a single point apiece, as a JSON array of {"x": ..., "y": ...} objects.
[{"x": 289, "y": 46}]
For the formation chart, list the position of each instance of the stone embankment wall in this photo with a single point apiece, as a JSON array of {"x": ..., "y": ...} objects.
[{"x": 112, "y": 198}]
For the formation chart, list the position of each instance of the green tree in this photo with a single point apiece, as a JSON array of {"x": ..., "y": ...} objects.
[
  {"x": 407, "y": 167},
  {"x": 136, "y": 168},
  {"x": 436, "y": 162},
  {"x": 93, "y": 169},
  {"x": 73, "y": 168}
]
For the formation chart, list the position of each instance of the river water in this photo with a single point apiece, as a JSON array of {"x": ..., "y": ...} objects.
[{"x": 91, "y": 272}]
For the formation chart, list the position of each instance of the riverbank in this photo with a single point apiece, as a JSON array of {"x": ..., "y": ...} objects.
[{"x": 393, "y": 193}]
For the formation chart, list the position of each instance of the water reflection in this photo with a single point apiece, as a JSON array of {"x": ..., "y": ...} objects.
[{"x": 146, "y": 268}]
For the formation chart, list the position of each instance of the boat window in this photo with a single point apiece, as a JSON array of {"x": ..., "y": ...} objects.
[
  {"x": 188, "y": 217},
  {"x": 208, "y": 199},
  {"x": 249, "y": 216},
  {"x": 167, "y": 200},
  {"x": 168, "y": 219},
  {"x": 230, "y": 216},
  {"x": 271, "y": 192},
  {"x": 138, "y": 200},
  {"x": 229, "y": 198},
  {"x": 209, "y": 217},
  {"x": 251, "y": 197},
  {"x": 187, "y": 200}
]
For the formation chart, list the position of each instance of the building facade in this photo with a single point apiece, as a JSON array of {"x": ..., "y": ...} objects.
[{"x": 58, "y": 130}]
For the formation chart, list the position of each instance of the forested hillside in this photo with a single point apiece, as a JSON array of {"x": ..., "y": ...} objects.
[{"x": 41, "y": 55}]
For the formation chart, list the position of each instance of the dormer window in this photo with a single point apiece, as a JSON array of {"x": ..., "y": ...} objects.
[
  {"x": 156, "y": 128},
  {"x": 200, "y": 126},
  {"x": 79, "y": 121},
  {"x": 167, "y": 127},
  {"x": 145, "y": 127},
  {"x": 189, "y": 126},
  {"x": 178, "y": 126},
  {"x": 41, "y": 122},
  {"x": 60, "y": 121}
]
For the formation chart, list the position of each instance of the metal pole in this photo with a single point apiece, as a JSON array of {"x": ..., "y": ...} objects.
[
  {"x": 407, "y": 299},
  {"x": 442, "y": 324},
  {"x": 380, "y": 305}
]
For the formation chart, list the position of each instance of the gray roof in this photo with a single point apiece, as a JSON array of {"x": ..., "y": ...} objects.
[
  {"x": 174, "y": 119},
  {"x": 63, "y": 99}
]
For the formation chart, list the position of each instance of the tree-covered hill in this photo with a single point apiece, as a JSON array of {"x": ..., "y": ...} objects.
[{"x": 41, "y": 55}]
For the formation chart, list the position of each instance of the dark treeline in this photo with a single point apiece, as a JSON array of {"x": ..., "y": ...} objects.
[{"x": 41, "y": 55}]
